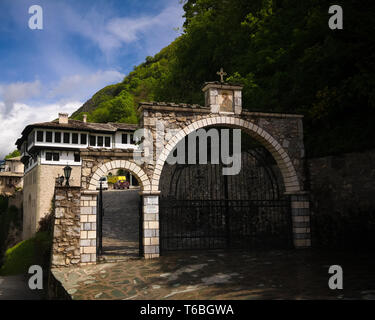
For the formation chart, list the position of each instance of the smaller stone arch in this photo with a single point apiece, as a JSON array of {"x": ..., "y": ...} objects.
[{"x": 135, "y": 170}]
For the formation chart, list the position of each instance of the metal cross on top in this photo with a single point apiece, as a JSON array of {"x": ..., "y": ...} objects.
[{"x": 221, "y": 73}]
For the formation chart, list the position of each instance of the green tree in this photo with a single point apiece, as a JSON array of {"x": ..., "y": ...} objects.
[{"x": 13, "y": 154}]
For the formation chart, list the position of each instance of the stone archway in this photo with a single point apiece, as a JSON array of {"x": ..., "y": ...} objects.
[
  {"x": 120, "y": 164},
  {"x": 299, "y": 198},
  {"x": 280, "y": 134},
  {"x": 88, "y": 217},
  {"x": 282, "y": 159}
]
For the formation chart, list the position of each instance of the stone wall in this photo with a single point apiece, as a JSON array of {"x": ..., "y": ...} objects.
[
  {"x": 66, "y": 231},
  {"x": 16, "y": 199},
  {"x": 88, "y": 227},
  {"x": 30, "y": 194},
  {"x": 343, "y": 199},
  {"x": 39, "y": 186}
]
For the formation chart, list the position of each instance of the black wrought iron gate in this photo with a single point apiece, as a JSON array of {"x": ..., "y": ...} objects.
[
  {"x": 202, "y": 209},
  {"x": 99, "y": 222}
]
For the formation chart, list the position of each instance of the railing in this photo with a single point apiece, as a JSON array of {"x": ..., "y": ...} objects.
[{"x": 214, "y": 224}]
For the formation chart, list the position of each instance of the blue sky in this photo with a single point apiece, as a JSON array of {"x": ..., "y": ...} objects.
[{"x": 84, "y": 46}]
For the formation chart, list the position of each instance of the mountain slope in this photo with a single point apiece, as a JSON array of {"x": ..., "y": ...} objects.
[
  {"x": 140, "y": 85},
  {"x": 284, "y": 54}
]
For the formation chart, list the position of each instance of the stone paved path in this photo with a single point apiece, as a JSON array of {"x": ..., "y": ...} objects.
[
  {"x": 120, "y": 224},
  {"x": 16, "y": 288},
  {"x": 221, "y": 275}
]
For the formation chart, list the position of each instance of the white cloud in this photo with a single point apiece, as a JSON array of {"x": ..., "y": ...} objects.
[
  {"x": 18, "y": 92},
  {"x": 114, "y": 33},
  {"x": 69, "y": 93},
  {"x": 127, "y": 30},
  {"x": 81, "y": 86},
  {"x": 23, "y": 103},
  {"x": 69, "y": 88},
  {"x": 23, "y": 115}
]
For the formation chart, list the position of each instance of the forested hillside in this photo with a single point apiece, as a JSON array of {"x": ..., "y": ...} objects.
[{"x": 284, "y": 54}]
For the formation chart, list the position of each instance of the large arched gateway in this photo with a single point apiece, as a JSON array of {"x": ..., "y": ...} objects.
[{"x": 271, "y": 204}]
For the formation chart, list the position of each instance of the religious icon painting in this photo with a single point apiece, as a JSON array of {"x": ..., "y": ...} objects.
[{"x": 226, "y": 100}]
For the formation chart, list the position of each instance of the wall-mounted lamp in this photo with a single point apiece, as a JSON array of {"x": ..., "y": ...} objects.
[{"x": 67, "y": 172}]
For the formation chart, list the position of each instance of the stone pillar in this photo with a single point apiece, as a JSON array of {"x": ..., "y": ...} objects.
[
  {"x": 66, "y": 230},
  {"x": 151, "y": 247},
  {"x": 237, "y": 101},
  {"x": 301, "y": 220},
  {"x": 88, "y": 227}
]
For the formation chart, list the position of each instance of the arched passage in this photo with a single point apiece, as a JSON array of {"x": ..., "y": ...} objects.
[
  {"x": 282, "y": 159},
  {"x": 118, "y": 220},
  {"x": 298, "y": 204},
  {"x": 133, "y": 168}
]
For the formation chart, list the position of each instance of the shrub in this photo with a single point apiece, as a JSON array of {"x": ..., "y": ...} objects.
[{"x": 33, "y": 251}]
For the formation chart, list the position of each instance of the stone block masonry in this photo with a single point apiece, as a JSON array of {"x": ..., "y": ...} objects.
[
  {"x": 300, "y": 207},
  {"x": 88, "y": 227},
  {"x": 66, "y": 231},
  {"x": 151, "y": 226}
]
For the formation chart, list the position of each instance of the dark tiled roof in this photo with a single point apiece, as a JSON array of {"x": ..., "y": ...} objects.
[
  {"x": 172, "y": 104},
  {"x": 77, "y": 125},
  {"x": 123, "y": 126}
]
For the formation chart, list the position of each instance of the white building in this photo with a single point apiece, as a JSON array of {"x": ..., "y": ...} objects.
[{"x": 46, "y": 148}]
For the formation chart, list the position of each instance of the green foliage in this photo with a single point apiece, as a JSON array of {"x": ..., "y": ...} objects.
[
  {"x": 8, "y": 217},
  {"x": 121, "y": 172},
  {"x": 13, "y": 154},
  {"x": 118, "y": 109},
  {"x": 284, "y": 54},
  {"x": 29, "y": 252}
]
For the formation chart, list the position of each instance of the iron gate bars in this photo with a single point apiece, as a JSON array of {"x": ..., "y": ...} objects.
[
  {"x": 99, "y": 223},
  {"x": 202, "y": 209},
  {"x": 218, "y": 224}
]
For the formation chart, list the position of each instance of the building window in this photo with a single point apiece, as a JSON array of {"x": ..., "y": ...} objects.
[
  {"x": 77, "y": 157},
  {"x": 100, "y": 141},
  {"x": 124, "y": 138},
  {"x": 75, "y": 138},
  {"x": 108, "y": 141},
  {"x": 49, "y": 136},
  {"x": 58, "y": 137},
  {"x": 83, "y": 138},
  {"x": 132, "y": 139},
  {"x": 52, "y": 156},
  {"x": 66, "y": 137},
  {"x": 48, "y": 156},
  {"x": 39, "y": 136},
  {"x": 92, "y": 141}
]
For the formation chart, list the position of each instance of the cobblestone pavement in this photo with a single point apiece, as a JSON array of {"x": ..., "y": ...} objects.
[
  {"x": 301, "y": 274},
  {"x": 120, "y": 224}
]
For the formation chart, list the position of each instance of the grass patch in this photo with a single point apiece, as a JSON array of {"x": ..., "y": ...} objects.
[{"x": 29, "y": 252}]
